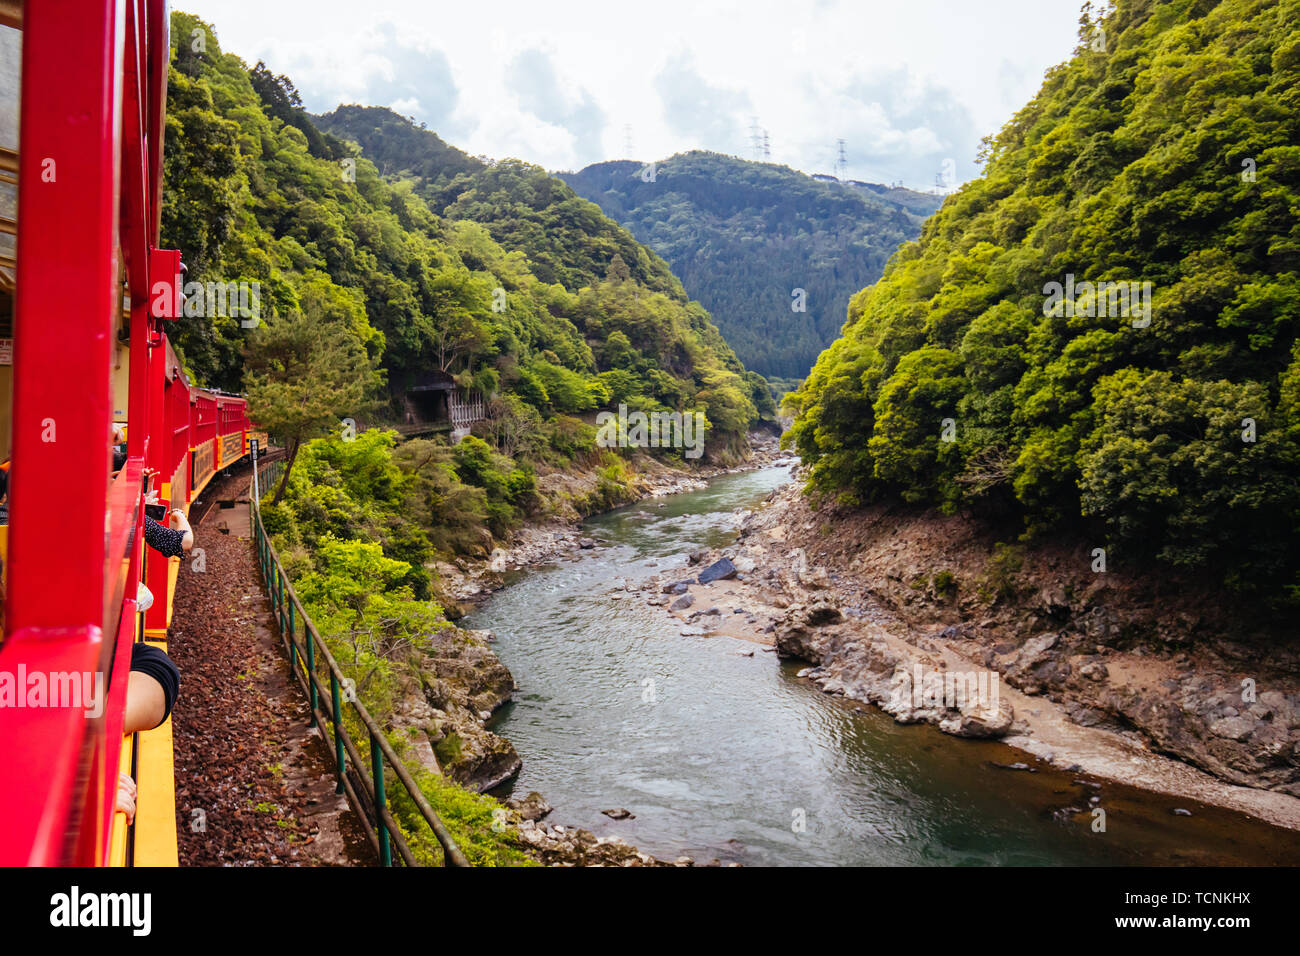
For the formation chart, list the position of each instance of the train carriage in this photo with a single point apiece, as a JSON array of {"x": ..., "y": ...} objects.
[{"x": 85, "y": 299}]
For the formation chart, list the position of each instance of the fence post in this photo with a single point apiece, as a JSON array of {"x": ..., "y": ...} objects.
[
  {"x": 285, "y": 627},
  {"x": 311, "y": 670},
  {"x": 340, "y": 757},
  {"x": 381, "y": 800},
  {"x": 293, "y": 630}
]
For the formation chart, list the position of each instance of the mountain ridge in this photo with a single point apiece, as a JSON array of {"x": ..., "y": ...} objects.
[{"x": 744, "y": 236}]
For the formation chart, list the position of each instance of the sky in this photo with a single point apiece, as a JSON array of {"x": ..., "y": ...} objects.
[{"x": 911, "y": 86}]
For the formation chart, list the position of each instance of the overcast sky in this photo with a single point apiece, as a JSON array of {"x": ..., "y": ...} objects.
[{"x": 907, "y": 84}]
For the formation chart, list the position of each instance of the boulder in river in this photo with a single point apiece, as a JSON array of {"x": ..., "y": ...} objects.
[
  {"x": 799, "y": 632},
  {"x": 718, "y": 571},
  {"x": 531, "y": 807},
  {"x": 619, "y": 813}
]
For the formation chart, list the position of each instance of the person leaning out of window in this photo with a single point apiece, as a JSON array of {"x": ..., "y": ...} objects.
[{"x": 170, "y": 540}]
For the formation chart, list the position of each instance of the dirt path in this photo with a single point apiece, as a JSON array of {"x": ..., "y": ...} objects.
[{"x": 252, "y": 786}]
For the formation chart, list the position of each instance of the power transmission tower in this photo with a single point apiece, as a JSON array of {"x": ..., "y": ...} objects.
[
  {"x": 841, "y": 164},
  {"x": 628, "y": 150},
  {"x": 767, "y": 147},
  {"x": 756, "y": 137}
]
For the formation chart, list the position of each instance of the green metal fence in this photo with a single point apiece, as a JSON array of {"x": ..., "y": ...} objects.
[{"x": 365, "y": 789}]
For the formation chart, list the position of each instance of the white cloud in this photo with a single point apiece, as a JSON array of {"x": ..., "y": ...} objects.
[
  {"x": 532, "y": 77},
  {"x": 712, "y": 115},
  {"x": 905, "y": 84}
]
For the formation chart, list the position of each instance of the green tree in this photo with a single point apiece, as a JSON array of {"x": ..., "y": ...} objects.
[{"x": 303, "y": 375}]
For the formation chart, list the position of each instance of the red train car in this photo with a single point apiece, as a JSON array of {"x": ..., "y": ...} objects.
[
  {"x": 80, "y": 349},
  {"x": 197, "y": 432}
]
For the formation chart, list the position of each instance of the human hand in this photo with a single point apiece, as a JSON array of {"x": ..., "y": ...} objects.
[{"x": 126, "y": 794}]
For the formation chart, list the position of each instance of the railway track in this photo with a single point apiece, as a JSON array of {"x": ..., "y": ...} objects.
[
  {"x": 246, "y": 759},
  {"x": 228, "y": 487}
]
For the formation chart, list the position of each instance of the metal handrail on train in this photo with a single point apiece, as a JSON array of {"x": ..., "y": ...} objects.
[{"x": 289, "y": 611}]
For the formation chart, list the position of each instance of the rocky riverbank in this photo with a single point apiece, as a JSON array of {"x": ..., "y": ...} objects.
[
  {"x": 559, "y": 845},
  {"x": 558, "y": 537},
  {"x": 1126, "y": 679}
]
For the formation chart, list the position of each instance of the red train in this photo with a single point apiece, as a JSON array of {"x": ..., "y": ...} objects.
[{"x": 84, "y": 352}]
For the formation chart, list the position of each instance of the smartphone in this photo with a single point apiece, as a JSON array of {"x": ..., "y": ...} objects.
[{"x": 157, "y": 512}]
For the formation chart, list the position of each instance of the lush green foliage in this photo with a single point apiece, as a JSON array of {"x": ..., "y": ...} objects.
[
  {"x": 1165, "y": 152},
  {"x": 306, "y": 370},
  {"x": 397, "y": 145},
  {"x": 567, "y": 239},
  {"x": 412, "y": 501},
  {"x": 743, "y": 235},
  {"x": 602, "y": 281}
]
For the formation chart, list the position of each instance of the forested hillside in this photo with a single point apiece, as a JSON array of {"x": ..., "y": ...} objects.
[
  {"x": 742, "y": 236},
  {"x": 397, "y": 146},
  {"x": 567, "y": 239},
  {"x": 1166, "y": 152},
  {"x": 521, "y": 289}
]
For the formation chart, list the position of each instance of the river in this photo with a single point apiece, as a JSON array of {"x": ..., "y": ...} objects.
[{"x": 732, "y": 757}]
